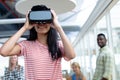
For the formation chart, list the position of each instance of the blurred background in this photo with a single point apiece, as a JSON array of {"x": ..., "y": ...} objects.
[{"x": 81, "y": 20}]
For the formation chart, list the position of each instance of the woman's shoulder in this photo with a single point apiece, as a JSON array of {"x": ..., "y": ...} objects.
[
  {"x": 6, "y": 68},
  {"x": 19, "y": 67},
  {"x": 26, "y": 42},
  {"x": 73, "y": 75}
]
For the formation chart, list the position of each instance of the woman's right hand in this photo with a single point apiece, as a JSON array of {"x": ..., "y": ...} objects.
[{"x": 27, "y": 25}]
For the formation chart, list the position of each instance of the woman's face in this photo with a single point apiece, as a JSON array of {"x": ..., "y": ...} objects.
[
  {"x": 42, "y": 28},
  {"x": 13, "y": 59},
  {"x": 75, "y": 68}
]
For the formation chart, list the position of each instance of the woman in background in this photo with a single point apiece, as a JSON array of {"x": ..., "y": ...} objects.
[
  {"x": 77, "y": 75},
  {"x": 14, "y": 71}
]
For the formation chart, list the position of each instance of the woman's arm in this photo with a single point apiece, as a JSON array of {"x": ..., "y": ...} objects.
[
  {"x": 84, "y": 78},
  {"x": 68, "y": 49},
  {"x": 10, "y": 47}
]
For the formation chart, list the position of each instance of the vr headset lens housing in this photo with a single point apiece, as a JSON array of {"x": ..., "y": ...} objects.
[{"x": 40, "y": 16}]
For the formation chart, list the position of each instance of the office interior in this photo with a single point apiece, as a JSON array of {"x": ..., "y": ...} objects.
[{"x": 81, "y": 24}]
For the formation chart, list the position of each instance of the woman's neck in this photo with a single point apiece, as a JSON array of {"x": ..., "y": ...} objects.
[
  {"x": 78, "y": 74},
  {"x": 42, "y": 39},
  {"x": 12, "y": 67}
]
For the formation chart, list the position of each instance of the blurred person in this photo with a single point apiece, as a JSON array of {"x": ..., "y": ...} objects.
[
  {"x": 77, "y": 75},
  {"x": 42, "y": 50},
  {"x": 14, "y": 71},
  {"x": 105, "y": 60}
]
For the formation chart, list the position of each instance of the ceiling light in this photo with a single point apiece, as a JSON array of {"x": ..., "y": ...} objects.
[{"x": 60, "y": 6}]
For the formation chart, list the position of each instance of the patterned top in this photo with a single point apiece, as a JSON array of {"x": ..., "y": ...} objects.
[
  {"x": 38, "y": 62},
  {"x": 74, "y": 77},
  {"x": 14, "y": 75},
  {"x": 104, "y": 64}
]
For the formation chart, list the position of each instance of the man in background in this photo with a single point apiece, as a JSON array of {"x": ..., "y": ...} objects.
[{"x": 105, "y": 60}]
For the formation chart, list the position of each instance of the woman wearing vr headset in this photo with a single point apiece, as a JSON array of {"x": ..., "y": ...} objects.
[{"x": 42, "y": 50}]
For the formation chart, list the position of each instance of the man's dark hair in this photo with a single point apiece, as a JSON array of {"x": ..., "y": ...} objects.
[
  {"x": 52, "y": 38},
  {"x": 101, "y": 34}
]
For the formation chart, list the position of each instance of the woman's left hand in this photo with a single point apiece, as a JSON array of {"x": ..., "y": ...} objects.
[{"x": 56, "y": 24}]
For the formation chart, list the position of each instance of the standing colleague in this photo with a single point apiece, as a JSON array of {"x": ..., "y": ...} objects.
[
  {"x": 105, "y": 60},
  {"x": 42, "y": 50},
  {"x": 14, "y": 71}
]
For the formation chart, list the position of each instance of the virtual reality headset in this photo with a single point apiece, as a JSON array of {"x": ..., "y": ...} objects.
[{"x": 44, "y": 16}]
